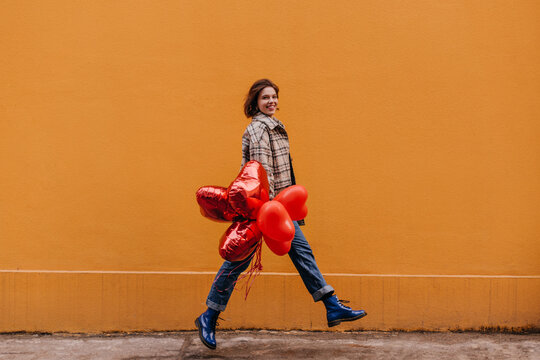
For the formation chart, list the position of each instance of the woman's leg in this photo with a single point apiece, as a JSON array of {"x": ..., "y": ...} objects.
[
  {"x": 302, "y": 257},
  {"x": 217, "y": 300},
  {"x": 304, "y": 261},
  {"x": 224, "y": 283}
]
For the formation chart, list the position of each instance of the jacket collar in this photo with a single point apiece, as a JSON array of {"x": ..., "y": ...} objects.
[{"x": 268, "y": 121}]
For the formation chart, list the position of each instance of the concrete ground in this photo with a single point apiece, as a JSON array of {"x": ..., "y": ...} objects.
[{"x": 272, "y": 345}]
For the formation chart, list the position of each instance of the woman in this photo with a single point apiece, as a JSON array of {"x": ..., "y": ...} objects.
[{"x": 266, "y": 141}]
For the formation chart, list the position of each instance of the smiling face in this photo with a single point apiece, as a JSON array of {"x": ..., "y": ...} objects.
[{"x": 267, "y": 101}]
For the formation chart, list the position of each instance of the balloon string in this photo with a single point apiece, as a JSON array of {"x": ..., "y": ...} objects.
[
  {"x": 230, "y": 272},
  {"x": 251, "y": 274},
  {"x": 254, "y": 270}
]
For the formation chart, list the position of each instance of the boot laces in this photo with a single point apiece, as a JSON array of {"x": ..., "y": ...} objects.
[
  {"x": 341, "y": 302},
  {"x": 214, "y": 321}
]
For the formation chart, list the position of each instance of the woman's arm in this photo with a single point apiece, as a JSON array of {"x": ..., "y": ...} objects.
[{"x": 261, "y": 151}]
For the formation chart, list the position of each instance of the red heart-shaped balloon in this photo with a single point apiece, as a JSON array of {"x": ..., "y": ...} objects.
[
  {"x": 278, "y": 247},
  {"x": 239, "y": 241},
  {"x": 249, "y": 190},
  {"x": 276, "y": 225},
  {"x": 214, "y": 203},
  {"x": 294, "y": 199}
]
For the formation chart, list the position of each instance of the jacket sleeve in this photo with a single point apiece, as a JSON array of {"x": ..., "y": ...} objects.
[{"x": 261, "y": 151}]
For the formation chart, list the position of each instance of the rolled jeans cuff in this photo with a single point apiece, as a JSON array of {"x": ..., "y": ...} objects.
[
  {"x": 212, "y": 305},
  {"x": 319, "y": 294}
]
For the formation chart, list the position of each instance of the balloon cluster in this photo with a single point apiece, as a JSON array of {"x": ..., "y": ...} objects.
[{"x": 246, "y": 203}]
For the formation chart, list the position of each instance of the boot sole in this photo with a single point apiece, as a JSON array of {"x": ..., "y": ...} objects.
[
  {"x": 338, "y": 321},
  {"x": 198, "y": 325}
]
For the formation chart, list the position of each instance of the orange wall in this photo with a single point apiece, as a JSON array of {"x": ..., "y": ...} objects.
[{"x": 414, "y": 127}]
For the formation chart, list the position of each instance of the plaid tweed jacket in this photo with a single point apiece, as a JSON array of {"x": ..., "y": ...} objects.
[{"x": 266, "y": 141}]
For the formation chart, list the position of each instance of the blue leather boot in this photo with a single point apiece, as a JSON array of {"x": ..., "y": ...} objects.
[
  {"x": 206, "y": 323},
  {"x": 336, "y": 312}
]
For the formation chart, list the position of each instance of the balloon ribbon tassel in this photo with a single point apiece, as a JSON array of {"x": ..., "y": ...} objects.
[
  {"x": 254, "y": 270},
  {"x": 251, "y": 274}
]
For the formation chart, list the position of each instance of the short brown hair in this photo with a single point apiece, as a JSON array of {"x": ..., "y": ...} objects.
[{"x": 250, "y": 105}]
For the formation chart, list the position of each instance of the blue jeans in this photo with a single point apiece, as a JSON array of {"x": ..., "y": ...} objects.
[{"x": 302, "y": 258}]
